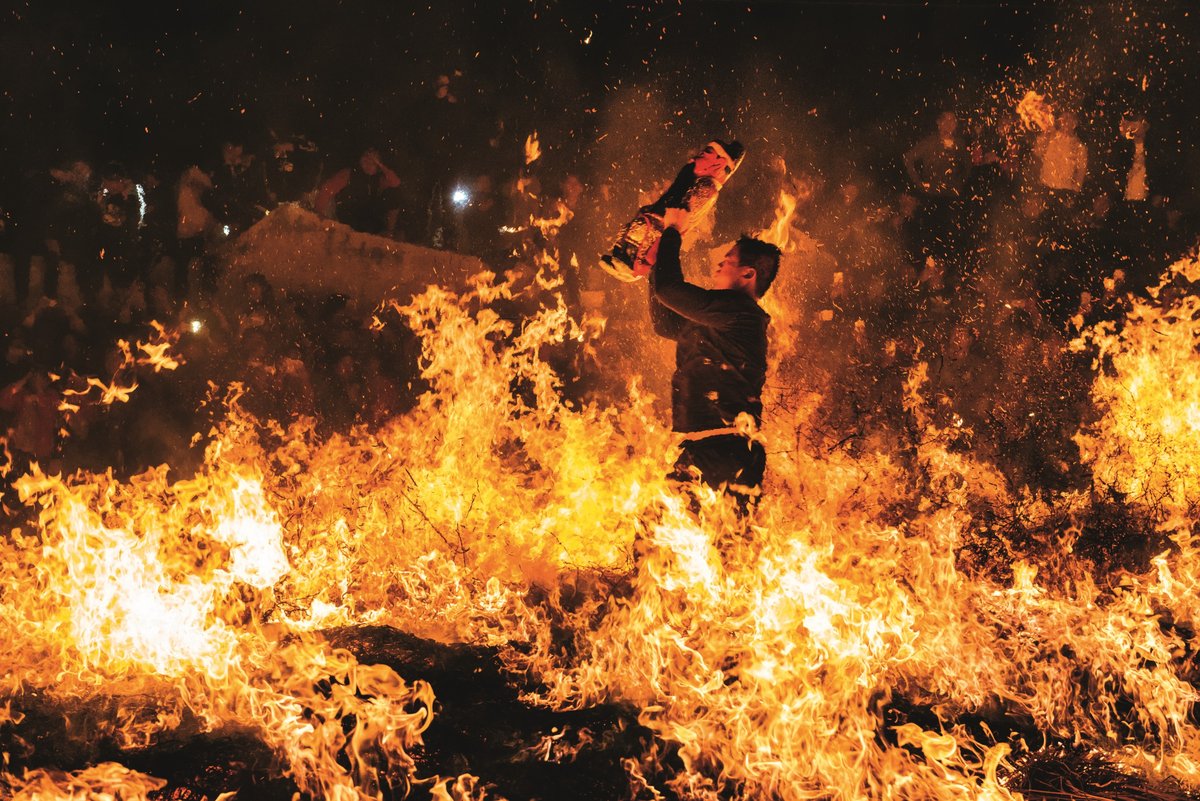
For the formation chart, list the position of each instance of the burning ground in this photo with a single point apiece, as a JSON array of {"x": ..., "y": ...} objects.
[{"x": 497, "y": 595}]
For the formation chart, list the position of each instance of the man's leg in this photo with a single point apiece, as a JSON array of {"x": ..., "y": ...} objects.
[{"x": 728, "y": 461}]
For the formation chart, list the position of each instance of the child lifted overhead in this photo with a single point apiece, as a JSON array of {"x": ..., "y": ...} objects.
[{"x": 694, "y": 190}]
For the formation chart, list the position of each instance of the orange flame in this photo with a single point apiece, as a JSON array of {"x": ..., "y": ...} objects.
[
  {"x": 106, "y": 780},
  {"x": 156, "y": 355},
  {"x": 549, "y": 226},
  {"x": 779, "y": 232},
  {"x": 533, "y": 149},
  {"x": 764, "y": 652}
]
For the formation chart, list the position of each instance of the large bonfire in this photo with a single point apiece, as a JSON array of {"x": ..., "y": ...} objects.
[{"x": 836, "y": 645}]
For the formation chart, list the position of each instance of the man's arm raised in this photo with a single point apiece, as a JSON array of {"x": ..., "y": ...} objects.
[{"x": 703, "y": 306}]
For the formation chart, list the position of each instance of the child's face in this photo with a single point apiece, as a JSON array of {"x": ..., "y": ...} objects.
[{"x": 711, "y": 164}]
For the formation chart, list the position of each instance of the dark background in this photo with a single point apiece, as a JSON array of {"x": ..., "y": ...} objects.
[{"x": 160, "y": 85}]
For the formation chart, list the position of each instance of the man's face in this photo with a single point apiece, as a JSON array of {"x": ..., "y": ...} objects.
[
  {"x": 729, "y": 273},
  {"x": 711, "y": 164}
]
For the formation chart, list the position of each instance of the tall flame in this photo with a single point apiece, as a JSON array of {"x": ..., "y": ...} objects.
[{"x": 779, "y": 232}]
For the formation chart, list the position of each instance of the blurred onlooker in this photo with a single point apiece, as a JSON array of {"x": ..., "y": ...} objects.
[
  {"x": 258, "y": 311},
  {"x": 756, "y": 209},
  {"x": 293, "y": 169},
  {"x": 1136, "y": 183},
  {"x": 72, "y": 228},
  {"x": 159, "y": 304},
  {"x": 480, "y": 220},
  {"x": 1063, "y": 160},
  {"x": 939, "y": 167},
  {"x": 442, "y": 128},
  {"x": 383, "y": 391},
  {"x": 939, "y": 164},
  {"x": 576, "y": 248},
  {"x": 444, "y": 124},
  {"x": 901, "y": 222},
  {"x": 1063, "y": 155},
  {"x": 157, "y": 226},
  {"x": 1143, "y": 212},
  {"x": 524, "y": 199},
  {"x": 363, "y": 196},
  {"x": 33, "y": 405},
  {"x": 49, "y": 325},
  {"x": 573, "y": 235},
  {"x": 238, "y": 197},
  {"x": 194, "y": 226},
  {"x": 346, "y": 398},
  {"x": 118, "y": 236},
  {"x": 26, "y": 205}
]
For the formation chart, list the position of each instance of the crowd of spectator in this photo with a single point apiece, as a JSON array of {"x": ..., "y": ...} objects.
[{"x": 1076, "y": 210}]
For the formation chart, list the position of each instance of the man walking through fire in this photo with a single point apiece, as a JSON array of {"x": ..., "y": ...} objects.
[{"x": 720, "y": 339}]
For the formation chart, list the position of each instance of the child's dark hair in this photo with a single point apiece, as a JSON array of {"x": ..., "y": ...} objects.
[{"x": 763, "y": 257}]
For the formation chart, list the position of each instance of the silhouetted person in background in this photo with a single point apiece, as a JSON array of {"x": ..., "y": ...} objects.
[
  {"x": 238, "y": 197},
  {"x": 363, "y": 197},
  {"x": 119, "y": 237},
  {"x": 939, "y": 167},
  {"x": 293, "y": 168},
  {"x": 1063, "y": 158},
  {"x": 72, "y": 227}
]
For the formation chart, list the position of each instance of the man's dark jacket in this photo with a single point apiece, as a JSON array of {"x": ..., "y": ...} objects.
[{"x": 721, "y": 345}]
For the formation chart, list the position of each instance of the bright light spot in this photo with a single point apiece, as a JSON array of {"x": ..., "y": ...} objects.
[
  {"x": 141, "y": 196},
  {"x": 225, "y": 230},
  {"x": 460, "y": 197},
  {"x": 196, "y": 325}
]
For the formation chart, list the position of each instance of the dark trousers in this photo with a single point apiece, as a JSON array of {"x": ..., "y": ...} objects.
[{"x": 730, "y": 462}]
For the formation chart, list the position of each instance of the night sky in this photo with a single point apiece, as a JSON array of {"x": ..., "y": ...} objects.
[{"x": 155, "y": 84}]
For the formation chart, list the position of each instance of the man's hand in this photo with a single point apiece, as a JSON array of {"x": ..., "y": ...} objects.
[{"x": 676, "y": 218}]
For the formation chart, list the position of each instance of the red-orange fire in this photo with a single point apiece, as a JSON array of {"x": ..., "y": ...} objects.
[{"x": 765, "y": 653}]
